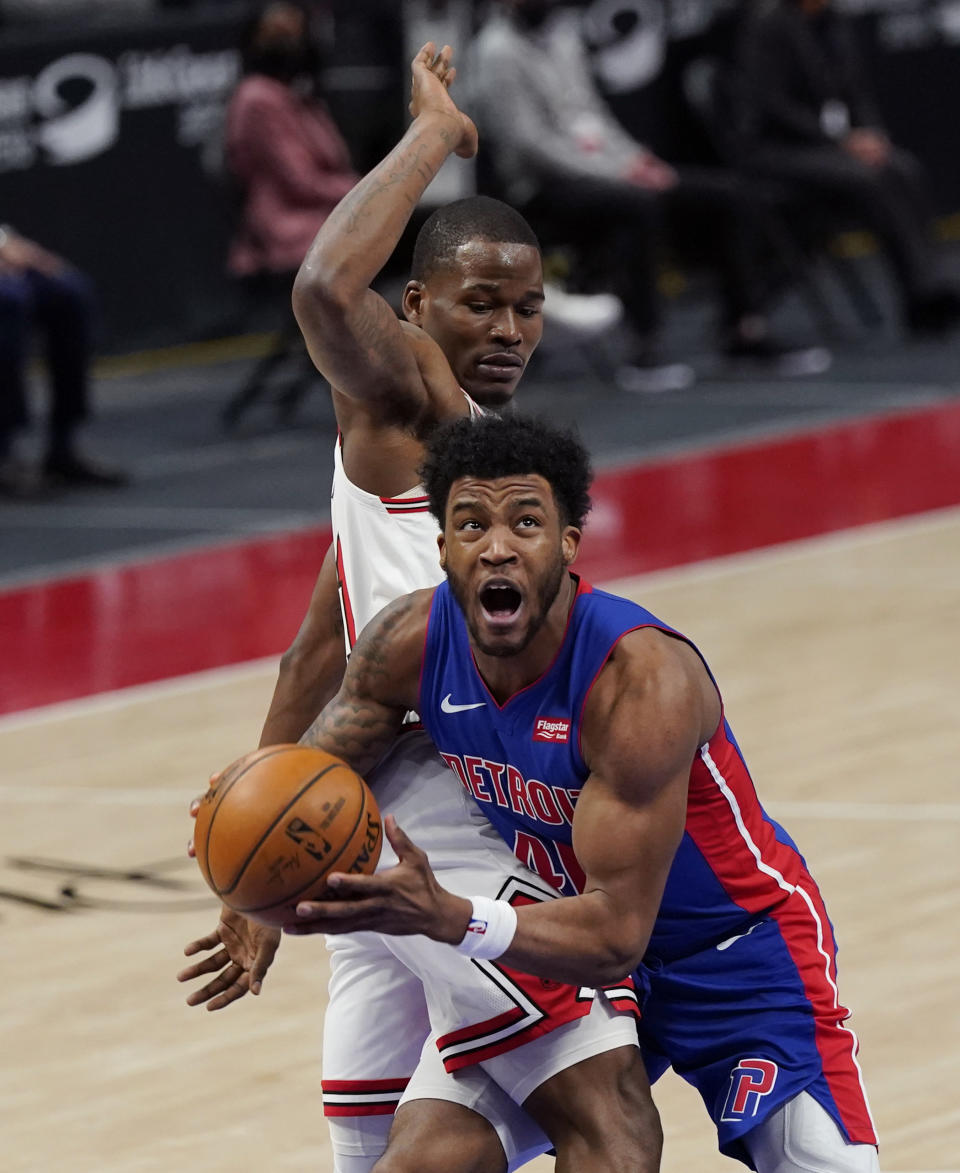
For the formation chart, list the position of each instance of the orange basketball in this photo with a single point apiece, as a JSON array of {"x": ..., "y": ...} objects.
[{"x": 277, "y": 822}]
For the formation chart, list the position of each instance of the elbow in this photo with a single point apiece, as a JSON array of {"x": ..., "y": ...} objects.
[
  {"x": 292, "y": 663},
  {"x": 618, "y": 947},
  {"x": 611, "y": 964},
  {"x": 302, "y": 666},
  {"x": 322, "y": 291}
]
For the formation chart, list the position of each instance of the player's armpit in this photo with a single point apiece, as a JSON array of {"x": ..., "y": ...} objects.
[{"x": 380, "y": 685}]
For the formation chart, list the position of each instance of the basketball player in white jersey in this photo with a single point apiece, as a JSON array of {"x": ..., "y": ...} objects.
[{"x": 474, "y": 318}]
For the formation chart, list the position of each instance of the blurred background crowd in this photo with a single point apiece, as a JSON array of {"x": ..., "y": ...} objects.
[{"x": 164, "y": 165}]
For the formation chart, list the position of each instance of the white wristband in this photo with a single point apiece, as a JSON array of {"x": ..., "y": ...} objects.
[{"x": 491, "y": 929}]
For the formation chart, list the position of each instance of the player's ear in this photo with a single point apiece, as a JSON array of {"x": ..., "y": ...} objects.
[
  {"x": 442, "y": 547},
  {"x": 412, "y": 302},
  {"x": 570, "y": 544}
]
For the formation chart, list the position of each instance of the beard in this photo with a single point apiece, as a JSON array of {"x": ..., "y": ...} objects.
[{"x": 547, "y": 590}]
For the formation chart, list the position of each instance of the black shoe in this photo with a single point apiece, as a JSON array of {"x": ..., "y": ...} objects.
[{"x": 70, "y": 469}]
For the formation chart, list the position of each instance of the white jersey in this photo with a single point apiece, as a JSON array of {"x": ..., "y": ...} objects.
[{"x": 387, "y": 547}]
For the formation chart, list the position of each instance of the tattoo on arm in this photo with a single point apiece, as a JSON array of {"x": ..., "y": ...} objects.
[
  {"x": 401, "y": 170},
  {"x": 364, "y": 717}
]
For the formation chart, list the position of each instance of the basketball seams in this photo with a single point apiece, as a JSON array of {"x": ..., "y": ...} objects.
[
  {"x": 282, "y": 786},
  {"x": 239, "y": 769},
  {"x": 268, "y": 831},
  {"x": 328, "y": 865}
]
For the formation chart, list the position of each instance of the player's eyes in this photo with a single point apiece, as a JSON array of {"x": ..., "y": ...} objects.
[{"x": 528, "y": 311}]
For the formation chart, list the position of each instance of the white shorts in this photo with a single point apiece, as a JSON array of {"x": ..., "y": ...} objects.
[
  {"x": 388, "y": 994},
  {"x": 496, "y": 1088}
]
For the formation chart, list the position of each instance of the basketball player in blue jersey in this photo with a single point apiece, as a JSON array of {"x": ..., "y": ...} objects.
[
  {"x": 473, "y": 319},
  {"x": 593, "y": 737}
]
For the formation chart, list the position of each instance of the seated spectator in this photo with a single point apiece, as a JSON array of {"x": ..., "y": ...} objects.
[
  {"x": 561, "y": 154},
  {"x": 808, "y": 118},
  {"x": 282, "y": 146},
  {"x": 41, "y": 293}
]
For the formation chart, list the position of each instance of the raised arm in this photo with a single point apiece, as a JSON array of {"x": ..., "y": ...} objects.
[{"x": 353, "y": 335}]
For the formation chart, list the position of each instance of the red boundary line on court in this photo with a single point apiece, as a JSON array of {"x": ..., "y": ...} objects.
[{"x": 133, "y": 624}]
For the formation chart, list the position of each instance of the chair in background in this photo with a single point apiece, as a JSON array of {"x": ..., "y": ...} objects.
[
  {"x": 796, "y": 230},
  {"x": 266, "y": 293}
]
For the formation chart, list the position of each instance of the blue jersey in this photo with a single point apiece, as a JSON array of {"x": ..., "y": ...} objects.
[{"x": 521, "y": 762}]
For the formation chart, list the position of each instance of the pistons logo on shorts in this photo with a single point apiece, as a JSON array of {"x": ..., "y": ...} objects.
[
  {"x": 750, "y": 1080},
  {"x": 551, "y": 729}
]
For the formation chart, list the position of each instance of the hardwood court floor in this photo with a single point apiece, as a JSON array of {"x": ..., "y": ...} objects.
[{"x": 840, "y": 663}]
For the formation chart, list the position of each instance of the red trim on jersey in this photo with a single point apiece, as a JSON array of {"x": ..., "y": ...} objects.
[
  {"x": 398, "y": 510},
  {"x": 582, "y": 588},
  {"x": 728, "y": 827},
  {"x": 345, "y": 596},
  {"x": 807, "y": 933},
  {"x": 421, "y": 500},
  {"x": 423, "y": 654},
  {"x": 362, "y": 1097}
]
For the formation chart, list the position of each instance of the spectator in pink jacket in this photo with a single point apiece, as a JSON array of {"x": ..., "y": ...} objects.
[{"x": 283, "y": 148}]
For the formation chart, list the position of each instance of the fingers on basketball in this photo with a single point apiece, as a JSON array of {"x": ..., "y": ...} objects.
[{"x": 277, "y": 822}]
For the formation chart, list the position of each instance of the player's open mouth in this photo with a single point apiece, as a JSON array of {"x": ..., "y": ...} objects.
[{"x": 500, "y": 602}]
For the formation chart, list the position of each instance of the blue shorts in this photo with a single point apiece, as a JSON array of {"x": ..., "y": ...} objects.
[{"x": 756, "y": 1019}]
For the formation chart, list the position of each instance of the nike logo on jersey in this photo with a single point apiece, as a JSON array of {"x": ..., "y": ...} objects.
[
  {"x": 739, "y": 937},
  {"x": 448, "y": 706}
]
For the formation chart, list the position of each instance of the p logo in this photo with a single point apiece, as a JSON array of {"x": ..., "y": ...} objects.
[{"x": 749, "y": 1080}]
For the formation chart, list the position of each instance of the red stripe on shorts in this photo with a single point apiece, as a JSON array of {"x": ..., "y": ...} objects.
[
  {"x": 808, "y": 936},
  {"x": 362, "y": 1097}
]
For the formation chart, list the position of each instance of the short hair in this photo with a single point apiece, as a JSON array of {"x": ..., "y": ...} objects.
[
  {"x": 474, "y": 218},
  {"x": 493, "y": 446}
]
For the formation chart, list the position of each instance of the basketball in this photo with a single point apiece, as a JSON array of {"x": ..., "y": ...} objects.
[{"x": 274, "y": 825}]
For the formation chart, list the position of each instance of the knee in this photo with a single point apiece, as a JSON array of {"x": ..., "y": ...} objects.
[
  {"x": 441, "y": 1157},
  {"x": 434, "y": 1136},
  {"x": 801, "y": 1137},
  {"x": 600, "y": 1114}
]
